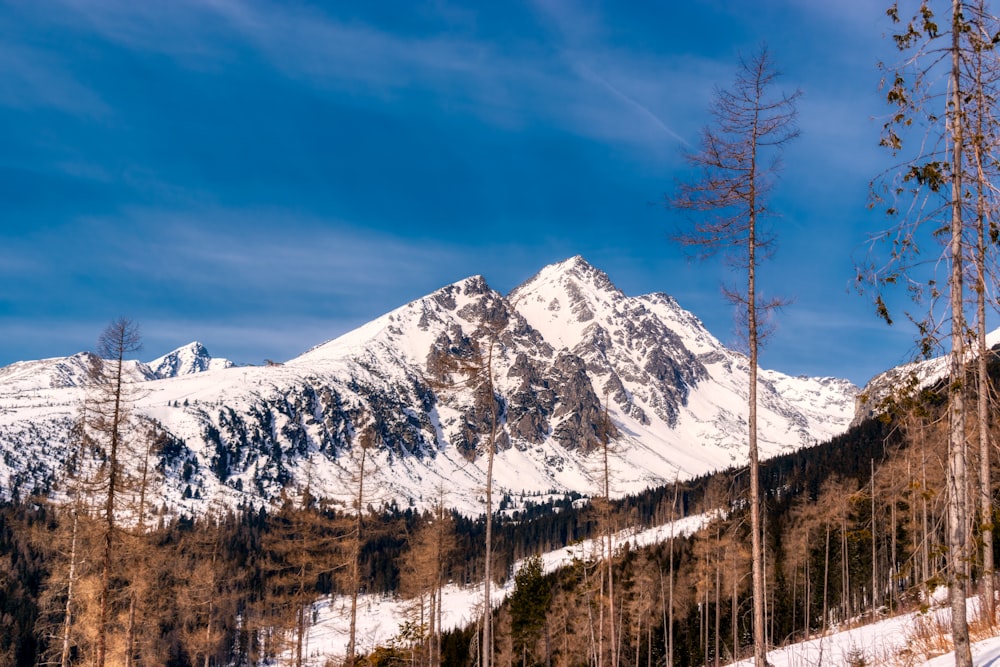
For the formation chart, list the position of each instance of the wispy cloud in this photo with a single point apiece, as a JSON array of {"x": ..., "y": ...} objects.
[
  {"x": 643, "y": 111},
  {"x": 272, "y": 256},
  {"x": 511, "y": 86},
  {"x": 33, "y": 79}
]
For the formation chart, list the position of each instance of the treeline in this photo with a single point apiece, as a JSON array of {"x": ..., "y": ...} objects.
[{"x": 691, "y": 597}]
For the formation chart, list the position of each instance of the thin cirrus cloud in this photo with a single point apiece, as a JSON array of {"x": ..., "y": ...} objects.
[
  {"x": 35, "y": 79},
  {"x": 507, "y": 86},
  {"x": 280, "y": 258},
  {"x": 512, "y": 87}
]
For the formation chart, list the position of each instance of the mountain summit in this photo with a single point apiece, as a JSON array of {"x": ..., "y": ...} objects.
[
  {"x": 560, "y": 350},
  {"x": 191, "y": 358}
]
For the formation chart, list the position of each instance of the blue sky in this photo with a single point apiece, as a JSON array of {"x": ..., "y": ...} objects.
[{"x": 263, "y": 176}]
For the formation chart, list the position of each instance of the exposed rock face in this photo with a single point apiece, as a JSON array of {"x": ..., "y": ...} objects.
[
  {"x": 641, "y": 362},
  {"x": 544, "y": 364}
]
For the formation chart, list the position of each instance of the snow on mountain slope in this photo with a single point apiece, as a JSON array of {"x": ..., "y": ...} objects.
[
  {"x": 561, "y": 348},
  {"x": 191, "y": 358},
  {"x": 907, "y": 377},
  {"x": 671, "y": 382},
  {"x": 57, "y": 373}
]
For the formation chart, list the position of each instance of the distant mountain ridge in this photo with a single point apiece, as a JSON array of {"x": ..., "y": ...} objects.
[
  {"x": 565, "y": 346},
  {"x": 66, "y": 372}
]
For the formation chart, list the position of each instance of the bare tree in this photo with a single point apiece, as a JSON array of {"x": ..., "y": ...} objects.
[
  {"x": 108, "y": 402},
  {"x": 737, "y": 163},
  {"x": 301, "y": 546},
  {"x": 362, "y": 451},
  {"x": 605, "y": 432},
  {"x": 422, "y": 572},
  {"x": 942, "y": 112},
  {"x": 208, "y": 588},
  {"x": 984, "y": 74},
  {"x": 72, "y": 544}
]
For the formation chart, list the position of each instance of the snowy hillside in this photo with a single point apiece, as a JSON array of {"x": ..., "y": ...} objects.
[
  {"x": 894, "y": 640},
  {"x": 916, "y": 374},
  {"x": 562, "y": 347},
  {"x": 381, "y": 617}
]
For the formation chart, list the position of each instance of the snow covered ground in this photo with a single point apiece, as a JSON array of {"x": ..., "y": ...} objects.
[
  {"x": 381, "y": 616},
  {"x": 899, "y": 641}
]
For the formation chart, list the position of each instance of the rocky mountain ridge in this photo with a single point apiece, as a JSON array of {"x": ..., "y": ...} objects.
[
  {"x": 549, "y": 360},
  {"x": 908, "y": 377}
]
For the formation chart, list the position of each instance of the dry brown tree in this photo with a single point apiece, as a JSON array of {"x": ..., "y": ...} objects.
[{"x": 736, "y": 165}]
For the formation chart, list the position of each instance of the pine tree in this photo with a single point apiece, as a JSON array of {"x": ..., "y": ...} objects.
[{"x": 529, "y": 604}]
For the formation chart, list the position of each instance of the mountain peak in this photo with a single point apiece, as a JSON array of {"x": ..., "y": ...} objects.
[
  {"x": 185, "y": 360},
  {"x": 576, "y": 270},
  {"x": 571, "y": 293},
  {"x": 570, "y": 350}
]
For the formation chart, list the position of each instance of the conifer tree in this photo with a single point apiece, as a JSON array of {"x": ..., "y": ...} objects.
[
  {"x": 736, "y": 163},
  {"x": 529, "y": 604}
]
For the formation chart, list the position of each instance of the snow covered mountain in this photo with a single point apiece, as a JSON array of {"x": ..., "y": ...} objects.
[
  {"x": 65, "y": 372},
  {"x": 191, "y": 358},
  {"x": 559, "y": 351},
  {"x": 905, "y": 378}
]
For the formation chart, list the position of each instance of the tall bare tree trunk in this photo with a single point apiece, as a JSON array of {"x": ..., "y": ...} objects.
[
  {"x": 118, "y": 339},
  {"x": 670, "y": 607},
  {"x": 957, "y": 475},
  {"x": 488, "y": 564},
  {"x": 109, "y": 517},
  {"x": 988, "y": 595},
  {"x": 874, "y": 596},
  {"x": 64, "y": 660},
  {"x": 752, "y": 124},
  {"x": 826, "y": 578},
  {"x": 140, "y": 531},
  {"x": 808, "y": 599},
  {"x": 718, "y": 606},
  {"x": 608, "y": 532},
  {"x": 365, "y": 442},
  {"x": 756, "y": 537},
  {"x": 300, "y": 634},
  {"x": 735, "y": 609}
]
